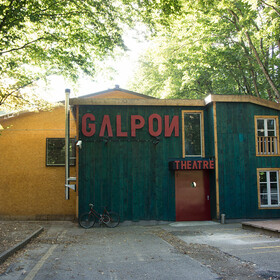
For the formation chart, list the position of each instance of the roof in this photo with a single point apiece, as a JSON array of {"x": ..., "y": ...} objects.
[
  {"x": 117, "y": 92},
  {"x": 123, "y": 97}
]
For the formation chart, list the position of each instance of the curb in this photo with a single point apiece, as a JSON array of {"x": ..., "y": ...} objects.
[
  {"x": 261, "y": 229},
  {"x": 20, "y": 245}
]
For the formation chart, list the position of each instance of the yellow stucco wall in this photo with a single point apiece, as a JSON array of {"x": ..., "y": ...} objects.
[{"x": 28, "y": 188}]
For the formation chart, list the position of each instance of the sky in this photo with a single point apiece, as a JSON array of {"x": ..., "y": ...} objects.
[{"x": 124, "y": 66}]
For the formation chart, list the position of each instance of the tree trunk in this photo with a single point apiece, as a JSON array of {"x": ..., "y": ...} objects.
[
  {"x": 271, "y": 83},
  {"x": 255, "y": 83}
]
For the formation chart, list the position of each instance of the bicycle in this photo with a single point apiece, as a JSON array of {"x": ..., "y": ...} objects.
[{"x": 110, "y": 219}]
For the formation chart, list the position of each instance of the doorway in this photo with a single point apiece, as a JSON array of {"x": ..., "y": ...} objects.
[{"x": 192, "y": 195}]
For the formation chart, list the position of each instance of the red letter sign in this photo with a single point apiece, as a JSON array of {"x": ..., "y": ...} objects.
[
  {"x": 119, "y": 127},
  {"x": 168, "y": 129},
  {"x": 135, "y": 125},
  {"x": 106, "y": 123},
  {"x": 90, "y": 125},
  {"x": 151, "y": 125}
]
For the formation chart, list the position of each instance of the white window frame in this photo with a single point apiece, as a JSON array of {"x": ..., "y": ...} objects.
[
  {"x": 268, "y": 186},
  {"x": 264, "y": 146}
]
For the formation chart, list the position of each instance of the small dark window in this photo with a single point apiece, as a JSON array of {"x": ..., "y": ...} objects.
[
  {"x": 55, "y": 152},
  {"x": 192, "y": 134}
]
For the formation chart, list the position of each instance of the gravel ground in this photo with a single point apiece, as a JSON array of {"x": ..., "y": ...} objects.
[
  {"x": 13, "y": 232},
  {"x": 225, "y": 265}
]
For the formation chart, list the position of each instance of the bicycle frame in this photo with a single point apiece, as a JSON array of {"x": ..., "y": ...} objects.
[
  {"x": 109, "y": 218},
  {"x": 99, "y": 216}
]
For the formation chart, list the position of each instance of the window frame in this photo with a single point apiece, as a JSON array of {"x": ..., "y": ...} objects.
[
  {"x": 202, "y": 141},
  {"x": 267, "y": 117},
  {"x": 270, "y": 206},
  {"x": 71, "y": 142}
]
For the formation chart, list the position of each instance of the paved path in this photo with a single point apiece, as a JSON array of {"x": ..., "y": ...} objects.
[
  {"x": 188, "y": 250},
  {"x": 260, "y": 250},
  {"x": 269, "y": 227},
  {"x": 69, "y": 252}
]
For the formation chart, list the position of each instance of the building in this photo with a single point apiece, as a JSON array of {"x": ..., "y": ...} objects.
[
  {"x": 152, "y": 159},
  {"x": 32, "y": 166},
  {"x": 147, "y": 158}
]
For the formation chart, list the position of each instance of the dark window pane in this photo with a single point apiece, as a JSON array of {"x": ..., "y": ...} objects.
[
  {"x": 264, "y": 199},
  {"x": 260, "y": 124},
  {"x": 270, "y": 124},
  {"x": 192, "y": 134},
  {"x": 55, "y": 151},
  {"x": 270, "y": 133},
  {"x": 263, "y": 188},
  {"x": 274, "y": 199},
  {"x": 262, "y": 176},
  {"x": 273, "y": 176},
  {"x": 273, "y": 188}
]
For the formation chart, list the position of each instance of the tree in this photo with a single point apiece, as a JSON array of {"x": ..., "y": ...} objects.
[
  {"x": 39, "y": 38},
  {"x": 220, "y": 47}
]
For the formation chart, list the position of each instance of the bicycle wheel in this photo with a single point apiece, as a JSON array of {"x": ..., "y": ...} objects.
[
  {"x": 87, "y": 220},
  {"x": 114, "y": 220}
]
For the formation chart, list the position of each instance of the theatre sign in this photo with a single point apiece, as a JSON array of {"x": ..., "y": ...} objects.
[{"x": 156, "y": 125}]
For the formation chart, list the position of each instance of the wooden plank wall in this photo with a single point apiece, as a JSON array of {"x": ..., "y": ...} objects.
[
  {"x": 238, "y": 162},
  {"x": 210, "y": 153},
  {"x": 130, "y": 175}
]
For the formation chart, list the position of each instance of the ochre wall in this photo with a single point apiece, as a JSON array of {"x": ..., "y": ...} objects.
[{"x": 28, "y": 188}]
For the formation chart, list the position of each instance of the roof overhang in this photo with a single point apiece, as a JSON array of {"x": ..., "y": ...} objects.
[{"x": 175, "y": 102}]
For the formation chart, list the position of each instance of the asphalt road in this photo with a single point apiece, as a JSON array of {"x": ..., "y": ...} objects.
[
  {"x": 258, "y": 250},
  {"x": 194, "y": 251},
  {"x": 132, "y": 252}
]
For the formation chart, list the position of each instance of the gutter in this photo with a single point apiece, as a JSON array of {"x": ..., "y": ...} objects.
[{"x": 68, "y": 179}]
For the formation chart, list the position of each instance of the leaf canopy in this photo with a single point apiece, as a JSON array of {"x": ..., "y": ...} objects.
[
  {"x": 39, "y": 38},
  {"x": 215, "y": 47}
]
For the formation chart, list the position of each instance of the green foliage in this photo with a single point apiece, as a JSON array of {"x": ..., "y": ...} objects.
[
  {"x": 39, "y": 38},
  {"x": 215, "y": 47}
]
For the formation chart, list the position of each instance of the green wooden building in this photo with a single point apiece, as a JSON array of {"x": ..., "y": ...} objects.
[{"x": 154, "y": 159}]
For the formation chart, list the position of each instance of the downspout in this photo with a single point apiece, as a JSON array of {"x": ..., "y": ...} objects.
[{"x": 67, "y": 134}]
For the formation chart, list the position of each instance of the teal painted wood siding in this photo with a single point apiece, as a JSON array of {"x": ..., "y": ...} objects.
[
  {"x": 238, "y": 162},
  {"x": 130, "y": 175},
  {"x": 210, "y": 153}
]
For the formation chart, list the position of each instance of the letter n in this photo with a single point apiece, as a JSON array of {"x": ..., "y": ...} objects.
[{"x": 173, "y": 126}]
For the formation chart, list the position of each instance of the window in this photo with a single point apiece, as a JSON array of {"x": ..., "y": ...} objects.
[
  {"x": 267, "y": 135},
  {"x": 268, "y": 187},
  {"x": 193, "y": 133},
  {"x": 55, "y": 152}
]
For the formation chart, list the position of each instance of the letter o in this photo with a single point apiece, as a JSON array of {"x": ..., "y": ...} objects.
[{"x": 151, "y": 125}]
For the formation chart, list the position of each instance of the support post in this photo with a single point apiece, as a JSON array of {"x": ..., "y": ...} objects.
[{"x": 67, "y": 115}]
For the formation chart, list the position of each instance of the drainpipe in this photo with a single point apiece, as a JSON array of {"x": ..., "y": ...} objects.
[{"x": 67, "y": 134}]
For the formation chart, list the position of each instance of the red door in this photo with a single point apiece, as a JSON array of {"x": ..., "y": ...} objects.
[{"x": 192, "y": 194}]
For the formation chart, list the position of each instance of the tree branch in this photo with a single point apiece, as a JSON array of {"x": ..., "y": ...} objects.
[
  {"x": 271, "y": 6},
  {"x": 22, "y": 47},
  {"x": 271, "y": 83},
  {"x": 9, "y": 94}
]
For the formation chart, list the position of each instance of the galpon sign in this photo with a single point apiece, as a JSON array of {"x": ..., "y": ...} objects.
[{"x": 155, "y": 125}]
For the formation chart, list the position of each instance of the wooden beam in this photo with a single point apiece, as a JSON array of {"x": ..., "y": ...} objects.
[
  {"x": 216, "y": 161},
  {"x": 242, "y": 98},
  {"x": 136, "y": 102},
  {"x": 175, "y": 102}
]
